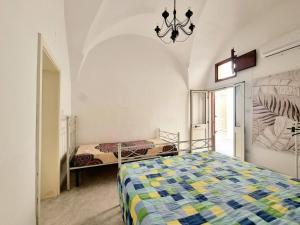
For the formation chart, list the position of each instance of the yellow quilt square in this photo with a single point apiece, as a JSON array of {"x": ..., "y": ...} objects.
[
  {"x": 217, "y": 211},
  {"x": 174, "y": 222},
  {"x": 272, "y": 188},
  {"x": 279, "y": 208},
  {"x": 154, "y": 195},
  {"x": 134, "y": 202},
  {"x": 189, "y": 210},
  {"x": 155, "y": 184},
  {"x": 168, "y": 162},
  {"x": 249, "y": 198}
]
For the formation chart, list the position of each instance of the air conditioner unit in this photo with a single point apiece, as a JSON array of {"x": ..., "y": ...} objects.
[{"x": 281, "y": 44}]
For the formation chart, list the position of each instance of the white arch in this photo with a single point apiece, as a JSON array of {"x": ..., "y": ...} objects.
[{"x": 177, "y": 64}]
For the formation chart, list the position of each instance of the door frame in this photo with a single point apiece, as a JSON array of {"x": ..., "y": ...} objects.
[
  {"x": 212, "y": 91},
  {"x": 42, "y": 49}
]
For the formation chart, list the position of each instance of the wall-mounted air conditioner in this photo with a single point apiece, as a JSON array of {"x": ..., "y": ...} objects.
[{"x": 281, "y": 44}]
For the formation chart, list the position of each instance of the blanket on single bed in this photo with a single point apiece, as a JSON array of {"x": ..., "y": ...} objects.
[
  {"x": 107, "y": 153},
  {"x": 206, "y": 188}
]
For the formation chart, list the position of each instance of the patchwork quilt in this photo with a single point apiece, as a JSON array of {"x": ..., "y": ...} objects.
[{"x": 206, "y": 188}]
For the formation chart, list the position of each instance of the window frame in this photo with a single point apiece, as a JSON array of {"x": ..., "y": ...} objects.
[{"x": 220, "y": 64}]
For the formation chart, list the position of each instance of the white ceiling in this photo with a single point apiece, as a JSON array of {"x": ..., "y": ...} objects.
[{"x": 92, "y": 22}]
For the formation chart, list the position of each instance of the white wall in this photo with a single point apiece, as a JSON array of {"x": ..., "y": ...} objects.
[
  {"x": 127, "y": 88},
  {"x": 20, "y": 21},
  {"x": 269, "y": 25}
]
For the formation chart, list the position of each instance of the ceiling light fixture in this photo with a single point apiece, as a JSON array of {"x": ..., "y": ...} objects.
[{"x": 174, "y": 26}]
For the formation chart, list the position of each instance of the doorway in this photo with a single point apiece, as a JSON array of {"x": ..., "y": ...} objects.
[
  {"x": 224, "y": 121},
  {"x": 48, "y": 108},
  {"x": 218, "y": 116}
]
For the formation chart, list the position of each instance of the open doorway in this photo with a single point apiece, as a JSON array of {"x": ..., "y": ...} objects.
[
  {"x": 224, "y": 121},
  {"x": 48, "y": 108}
]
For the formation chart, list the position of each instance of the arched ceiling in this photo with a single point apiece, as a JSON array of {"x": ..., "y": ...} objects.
[{"x": 90, "y": 23}]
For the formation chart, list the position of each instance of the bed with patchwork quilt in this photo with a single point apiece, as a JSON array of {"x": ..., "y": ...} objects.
[{"x": 206, "y": 188}]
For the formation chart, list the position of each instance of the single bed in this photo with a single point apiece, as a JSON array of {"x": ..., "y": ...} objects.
[
  {"x": 94, "y": 155},
  {"x": 206, "y": 188},
  {"x": 107, "y": 153}
]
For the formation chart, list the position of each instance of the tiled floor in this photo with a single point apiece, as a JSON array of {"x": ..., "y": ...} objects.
[{"x": 95, "y": 202}]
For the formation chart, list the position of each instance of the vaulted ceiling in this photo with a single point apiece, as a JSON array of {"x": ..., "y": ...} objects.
[{"x": 90, "y": 23}]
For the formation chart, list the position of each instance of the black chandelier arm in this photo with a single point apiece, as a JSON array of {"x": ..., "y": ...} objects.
[
  {"x": 184, "y": 31},
  {"x": 183, "y": 24},
  {"x": 168, "y": 24},
  {"x": 163, "y": 35}
]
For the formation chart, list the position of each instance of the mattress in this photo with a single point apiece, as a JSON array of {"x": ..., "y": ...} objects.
[
  {"x": 206, "y": 188},
  {"x": 107, "y": 153}
]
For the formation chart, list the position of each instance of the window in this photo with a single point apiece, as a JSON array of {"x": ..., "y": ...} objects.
[{"x": 224, "y": 70}]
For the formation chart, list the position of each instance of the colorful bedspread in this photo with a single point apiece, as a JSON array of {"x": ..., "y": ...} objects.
[{"x": 206, "y": 188}]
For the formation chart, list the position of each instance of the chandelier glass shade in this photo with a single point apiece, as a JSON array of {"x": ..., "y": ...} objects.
[{"x": 175, "y": 27}]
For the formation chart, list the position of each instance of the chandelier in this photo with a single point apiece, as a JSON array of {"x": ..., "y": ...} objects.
[{"x": 174, "y": 26}]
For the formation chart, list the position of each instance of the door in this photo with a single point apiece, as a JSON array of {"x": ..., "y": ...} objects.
[
  {"x": 224, "y": 121},
  {"x": 239, "y": 121},
  {"x": 199, "y": 121},
  {"x": 228, "y": 120}
]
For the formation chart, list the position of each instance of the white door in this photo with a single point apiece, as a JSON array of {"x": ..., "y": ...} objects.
[
  {"x": 239, "y": 121},
  {"x": 224, "y": 121},
  {"x": 199, "y": 121}
]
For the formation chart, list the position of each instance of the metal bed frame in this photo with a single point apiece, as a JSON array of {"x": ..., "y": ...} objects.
[{"x": 176, "y": 146}]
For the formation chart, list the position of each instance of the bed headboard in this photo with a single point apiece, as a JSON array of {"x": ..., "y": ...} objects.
[{"x": 169, "y": 136}]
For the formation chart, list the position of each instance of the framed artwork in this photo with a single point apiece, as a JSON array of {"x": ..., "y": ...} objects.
[{"x": 276, "y": 107}]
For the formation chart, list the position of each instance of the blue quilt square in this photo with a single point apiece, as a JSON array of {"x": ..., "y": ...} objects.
[
  {"x": 246, "y": 221},
  {"x": 183, "y": 170},
  {"x": 193, "y": 220},
  {"x": 220, "y": 177},
  {"x": 177, "y": 197},
  {"x": 197, "y": 174},
  {"x": 153, "y": 175},
  {"x": 259, "y": 194},
  {"x": 171, "y": 181},
  {"x": 282, "y": 184},
  {"x": 187, "y": 187},
  {"x": 252, "y": 180},
  {"x": 233, "y": 172},
  {"x": 127, "y": 181},
  {"x": 127, "y": 199},
  {"x": 265, "y": 216},
  {"x": 185, "y": 177},
  {"x": 234, "y": 180},
  {"x": 138, "y": 186},
  {"x": 234, "y": 204},
  {"x": 291, "y": 202},
  {"x": 163, "y": 193},
  {"x": 201, "y": 198}
]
